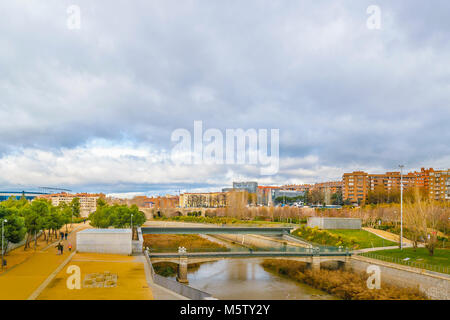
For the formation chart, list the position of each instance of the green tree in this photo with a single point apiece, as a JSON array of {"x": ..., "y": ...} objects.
[
  {"x": 33, "y": 225},
  {"x": 75, "y": 205},
  {"x": 41, "y": 208},
  {"x": 14, "y": 229}
]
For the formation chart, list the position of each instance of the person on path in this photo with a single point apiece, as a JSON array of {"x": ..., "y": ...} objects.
[
  {"x": 65, "y": 235},
  {"x": 58, "y": 247},
  {"x": 62, "y": 248},
  {"x": 70, "y": 247}
]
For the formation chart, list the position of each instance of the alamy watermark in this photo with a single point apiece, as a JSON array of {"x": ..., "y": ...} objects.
[
  {"x": 74, "y": 17},
  {"x": 237, "y": 146},
  {"x": 374, "y": 279},
  {"x": 374, "y": 20},
  {"x": 93, "y": 280}
]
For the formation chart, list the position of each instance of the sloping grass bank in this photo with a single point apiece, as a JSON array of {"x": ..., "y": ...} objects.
[
  {"x": 343, "y": 284},
  {"x": 418, "y": 258},
  {"x": 353, "y": 239}
]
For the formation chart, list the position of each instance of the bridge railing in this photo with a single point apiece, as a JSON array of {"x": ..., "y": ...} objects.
[{"x": 289, "y": 249}]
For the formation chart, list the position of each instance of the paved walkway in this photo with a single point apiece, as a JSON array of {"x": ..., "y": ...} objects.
[
  {"x": 20, "y": 281},
  {"x": 124, "y": 277}
]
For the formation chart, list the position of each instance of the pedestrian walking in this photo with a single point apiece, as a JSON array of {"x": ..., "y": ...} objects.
[
  {"x": 70, "y": 247},
  {"x": 62, "y": 248},
  {"x": 58, "y": 247},
  {"x": 65, "y": 235}
]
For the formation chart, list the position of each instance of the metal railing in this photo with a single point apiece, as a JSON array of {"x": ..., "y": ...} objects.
[
  {"x": 409, "y": 263},
  {"x": 280, "y": 249}
]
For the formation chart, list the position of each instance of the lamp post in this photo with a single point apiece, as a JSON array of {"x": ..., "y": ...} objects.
[
  {"x": 131, "y": 226},
  {"x": 3, "y": 232},
  {"x": 401, "y": 206}
]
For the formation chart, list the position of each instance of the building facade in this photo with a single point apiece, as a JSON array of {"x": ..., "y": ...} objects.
[
  {"x": 88, "y": 202},
  {"x": 356, "y": 185},
  {"x": 439, "y": 184}
]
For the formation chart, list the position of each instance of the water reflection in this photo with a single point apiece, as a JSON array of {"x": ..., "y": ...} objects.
[{"x": 246, "y": 279}]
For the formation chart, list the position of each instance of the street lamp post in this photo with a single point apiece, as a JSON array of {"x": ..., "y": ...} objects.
[
  {"x": 401, "y": 206},
  {"x": 3, "y": 227},
  {"x": 131, "y": 226}
]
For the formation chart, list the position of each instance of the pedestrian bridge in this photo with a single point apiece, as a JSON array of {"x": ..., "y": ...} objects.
[
  {"x": 217, "y": 230},
  {"x": 313, "y": 257}
]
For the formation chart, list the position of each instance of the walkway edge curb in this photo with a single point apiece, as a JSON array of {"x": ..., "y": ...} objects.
[{"x": 47, "y": 281}]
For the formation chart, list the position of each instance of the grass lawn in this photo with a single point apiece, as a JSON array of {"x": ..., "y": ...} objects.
[
  {"x": 419, "y": 258},
  {"x": 364, "y": 238},
  {"x": 171, "y": 243}
]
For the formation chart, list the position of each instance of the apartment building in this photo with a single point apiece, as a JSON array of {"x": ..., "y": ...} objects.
[
  {"x": 88, "y": 202},
  {"x": 330, "y": 186},
  {"x": 298, "y": 187},
  {"x": 439, "y": 184},
  {"x": 356, "y": 185}
]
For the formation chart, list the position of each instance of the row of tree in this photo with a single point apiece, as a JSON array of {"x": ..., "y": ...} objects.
[
  {"x": 381, "y": 195},
  {"x": 313, "y": 197},
  {"x": 26, "y": 219}
]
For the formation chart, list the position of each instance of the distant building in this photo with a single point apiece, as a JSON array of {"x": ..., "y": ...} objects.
[
  {"x": 5, "y": 195},
  {"x": 204, "y": 200},
  {"x": 264, "y": 195},
  {"x": 249, "y": 186},
  {"x": 88, "y": 202}
]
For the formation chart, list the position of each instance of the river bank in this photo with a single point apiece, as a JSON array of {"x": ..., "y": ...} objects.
[{"x": 345, "y": 285}]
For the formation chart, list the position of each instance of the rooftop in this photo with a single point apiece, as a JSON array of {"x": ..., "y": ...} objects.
[{"x": 106, "y": 231}]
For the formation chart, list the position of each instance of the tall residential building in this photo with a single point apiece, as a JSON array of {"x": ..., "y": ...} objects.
[
  {"x": 357, "y": 185},
  {"x": 439, "y": 184}
]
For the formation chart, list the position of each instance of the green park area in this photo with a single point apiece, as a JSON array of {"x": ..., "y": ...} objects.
[
  {"x": 352, "y": 239},
  {"x": 419, "y": 258},
  {"x": 364, "y": 238}
]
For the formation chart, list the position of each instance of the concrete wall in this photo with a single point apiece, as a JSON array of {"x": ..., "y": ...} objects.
[
  {"x": 334, "y": 223},
  {"x": 175, "y": 286},
  {"x": 256, "y": 241},
  {"x": 435, "y": 286},
  {"x": 112, "y": 241}
]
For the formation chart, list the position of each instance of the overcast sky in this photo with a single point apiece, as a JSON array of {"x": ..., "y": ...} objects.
[{"x": 93, "y": 109}]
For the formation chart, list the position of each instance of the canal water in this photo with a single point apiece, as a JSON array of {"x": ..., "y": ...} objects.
[{"x": 246, "y": 279}]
